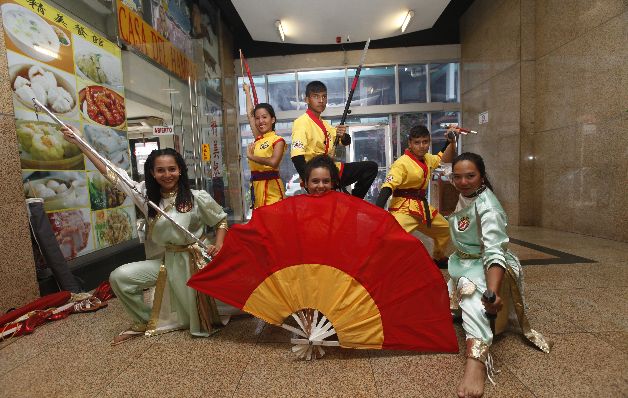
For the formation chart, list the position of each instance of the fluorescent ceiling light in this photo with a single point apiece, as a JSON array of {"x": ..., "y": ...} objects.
[
  {"x": 280, "y": 30},
  {"x": 406, "y": 20}
]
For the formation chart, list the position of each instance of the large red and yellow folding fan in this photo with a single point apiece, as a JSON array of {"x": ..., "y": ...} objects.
[{"x": 373, "y": 284}]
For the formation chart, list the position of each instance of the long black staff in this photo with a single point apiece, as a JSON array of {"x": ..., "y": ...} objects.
[
  {"x": 353, "y": 86},
  {"x": 122, "y": 176}
]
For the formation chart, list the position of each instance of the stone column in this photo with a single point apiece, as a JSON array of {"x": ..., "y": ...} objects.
[{"x": 18, "y": 282}]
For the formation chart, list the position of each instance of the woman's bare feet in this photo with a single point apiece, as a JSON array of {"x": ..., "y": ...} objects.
[{"x": 472, "y": 383}]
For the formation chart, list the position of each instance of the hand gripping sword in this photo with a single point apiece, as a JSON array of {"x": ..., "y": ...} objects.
[{"x": 122, "y": 176}]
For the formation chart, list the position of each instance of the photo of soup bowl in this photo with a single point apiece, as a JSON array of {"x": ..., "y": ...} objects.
[{"x": 30, "y": 33}]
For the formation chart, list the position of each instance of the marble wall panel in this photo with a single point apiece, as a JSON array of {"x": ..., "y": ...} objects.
[
  {"x": 504, "y": 102},
  {"x": 18, "y": 284},
  {"x": 11, "y": 190},
  {"x": 528, "y": 29},
  {"x": 491, "y": 46},
  {"x": 500, "y": 97},
  {"x": 535, "y": 213},
  {"x": 555, "y": 100},
  {"x": 557, "y": 148},
  {"x": 527, "y": 96},
  {"x": 619, "y": 200},
  {"x": 598, "y": 202},
  {"x": 472, "y": 104},
  {"x": 601, "y": 201},
  {"x": 529, "y": 201},
  {"x": 582, "y": 135},
  {"x": 584, "y": 80},
  {"x": 528, "y": 198},
  {"x": 558, "y": 186},
  {"x": 603, "y": 143},
  {"x": 554, "y": 24},
  {"x": 559, "y": 21}
]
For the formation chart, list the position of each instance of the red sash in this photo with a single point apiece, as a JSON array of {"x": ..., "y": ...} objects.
[{"x": 320, "y": 124}]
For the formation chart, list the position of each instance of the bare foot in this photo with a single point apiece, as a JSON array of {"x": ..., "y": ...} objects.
[{"x": 472, "y": 383}]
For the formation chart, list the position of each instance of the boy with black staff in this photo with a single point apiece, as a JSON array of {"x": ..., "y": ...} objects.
[
  {"x": 407, "y": 182},
  {"x": 312, "y": 136}
]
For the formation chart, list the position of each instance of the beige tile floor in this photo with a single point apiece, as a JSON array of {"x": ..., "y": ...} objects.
[{"x": 582, "y": 308}]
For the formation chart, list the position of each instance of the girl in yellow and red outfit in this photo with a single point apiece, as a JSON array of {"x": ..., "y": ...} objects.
[{"x": 264, "y": 154}]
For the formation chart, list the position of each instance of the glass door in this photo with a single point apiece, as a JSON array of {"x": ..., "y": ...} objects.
[{"x": 371, "y": 142}]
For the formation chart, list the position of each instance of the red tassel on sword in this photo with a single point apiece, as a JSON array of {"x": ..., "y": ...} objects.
[{"x": 248, "y": 73}]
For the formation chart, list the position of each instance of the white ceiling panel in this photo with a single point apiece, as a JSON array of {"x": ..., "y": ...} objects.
[{"x": 321, "y": 21}]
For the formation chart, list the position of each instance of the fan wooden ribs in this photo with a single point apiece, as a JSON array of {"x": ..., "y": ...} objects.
[{"x": 315, "y": 332}]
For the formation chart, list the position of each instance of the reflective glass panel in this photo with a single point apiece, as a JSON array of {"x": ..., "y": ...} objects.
[
  {"x": 260, "y": 88},
  {"x": 438, "y": 132},
  {"x": 334, "y": 80},
  {"x": 282, "y": 91},
  {"x": 376, "y": 86},
  {"x": 444, "y": 82},
  {"x": 369, "y": 143},
  {"x": 412, "y": 83}
]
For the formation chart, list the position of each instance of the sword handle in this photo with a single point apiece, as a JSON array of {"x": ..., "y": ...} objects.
[{"x": 489, "y": 297}]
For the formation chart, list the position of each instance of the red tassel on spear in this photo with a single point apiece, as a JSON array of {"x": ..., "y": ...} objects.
[{"x": 248, "y": 72}]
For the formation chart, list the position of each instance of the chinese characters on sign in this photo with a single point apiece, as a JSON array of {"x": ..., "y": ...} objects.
[
  {"x": 206, "y": 153},
  {"x": 216, "y": 153}
]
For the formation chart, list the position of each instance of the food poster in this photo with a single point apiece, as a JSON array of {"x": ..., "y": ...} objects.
[
  {"x": 78, "y": 75},
  {"x": 73, "y": 231},
  {"x": 113, "y": 226}
]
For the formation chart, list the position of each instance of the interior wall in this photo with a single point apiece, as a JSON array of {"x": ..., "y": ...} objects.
[
  {"x": 491, "y": 82},
  {"x": 18, "y": 282},
  {"x": 581, "y": 134},
  {"x": 552, "y": 76}
]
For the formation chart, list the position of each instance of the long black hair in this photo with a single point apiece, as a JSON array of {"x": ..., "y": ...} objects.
[
  {"x": 324, "y": 162},
  {"x": 183, "y": 202},
  {"x": 269, "y": 108},
  {"x": 477, "y": 161}
]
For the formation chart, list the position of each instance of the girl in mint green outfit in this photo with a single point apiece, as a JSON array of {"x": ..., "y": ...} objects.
[
  {"x": 482, "y": 261},
  {"x": 172, "y": 256}
]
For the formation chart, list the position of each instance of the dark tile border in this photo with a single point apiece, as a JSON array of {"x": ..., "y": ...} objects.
[{"x": 561, "y": 257}]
